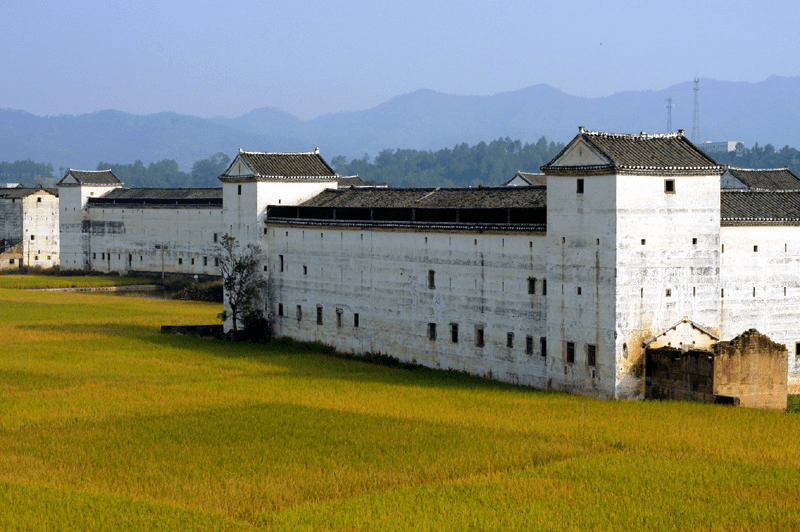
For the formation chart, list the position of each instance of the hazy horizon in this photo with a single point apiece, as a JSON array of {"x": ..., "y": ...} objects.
[{"x": 308, "y": 59}]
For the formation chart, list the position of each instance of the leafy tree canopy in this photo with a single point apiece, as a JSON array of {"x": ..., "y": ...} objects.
[
  {"x": 760, "y": 157},
  {"x": 482, "y": 164}
]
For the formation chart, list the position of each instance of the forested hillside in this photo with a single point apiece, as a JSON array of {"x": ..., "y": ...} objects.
[
  {"x": 482, "y": 164},
  {"x": 760, "y": 157},
  {"x": 463, "y": 165}
]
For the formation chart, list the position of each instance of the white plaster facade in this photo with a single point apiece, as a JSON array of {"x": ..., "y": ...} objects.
[
  {"x": 29, "y": 228},
  {"x": 635, "y": 243}
]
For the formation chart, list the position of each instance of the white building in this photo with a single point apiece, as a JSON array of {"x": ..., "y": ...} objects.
[
  {"x": 555, "y": 287},
  {"x": 28, "y": 227},
  {"x": 633, "y": 244}
]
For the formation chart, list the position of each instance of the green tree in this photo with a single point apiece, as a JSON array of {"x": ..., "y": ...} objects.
[
  {"x": 242, "y": 284},
  {"x": 206, "y": 171}
]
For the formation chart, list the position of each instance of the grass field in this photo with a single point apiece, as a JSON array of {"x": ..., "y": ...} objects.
[
  {"x": 67, "y": 281},
  {"x": 107, "y": 425}
]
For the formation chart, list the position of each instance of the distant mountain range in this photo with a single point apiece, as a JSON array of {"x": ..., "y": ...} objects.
[{"x": 764, "y": 112}]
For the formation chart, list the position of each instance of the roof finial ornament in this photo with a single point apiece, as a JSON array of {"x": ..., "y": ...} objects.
[
  {"x": 581, "y": 130},
  {"x": 316, "y": 150}
]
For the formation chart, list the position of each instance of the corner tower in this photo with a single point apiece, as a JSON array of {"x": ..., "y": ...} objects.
[
  {"x": 257, "y": 179},
  {"x": 74, "y": 191},
  {"x": 633, "y": 247}
]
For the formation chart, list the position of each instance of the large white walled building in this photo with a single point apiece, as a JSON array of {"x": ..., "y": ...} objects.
[
  {"x": 632, "y": 244},
  {"x": 28, "y": 227}
]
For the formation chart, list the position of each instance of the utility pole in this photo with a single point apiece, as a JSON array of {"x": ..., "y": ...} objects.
[
  {"x": 696, "y": 115},
  {"x": 669, "y": 114}
]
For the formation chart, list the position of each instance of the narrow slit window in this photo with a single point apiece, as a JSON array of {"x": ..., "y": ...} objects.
[
  {"x": 570, "y": 352},
  {"x": 479, "y": 336},
  {"x": 591, "y": 355},
  {"x": 529, "y": 345},
  {"x": 669, "y": 186},
  {"x": 580, "y": 186},
  {"x": 454, "y": 333},
  {"x": 510, "y": 340},
  {"x": 432, "y": 332}
]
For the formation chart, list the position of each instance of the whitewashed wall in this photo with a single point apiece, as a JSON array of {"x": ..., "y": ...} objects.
[
  {"x": 761, "y": 282},
  {"x": 669, "y": 276},
  {"x": 581, "y": 256},
  {"x": 173, "y": 240},
  {"x": 40, "y": 235},
  {"x": 74, "y": 244},
  {"x": 481, "y": 280}
]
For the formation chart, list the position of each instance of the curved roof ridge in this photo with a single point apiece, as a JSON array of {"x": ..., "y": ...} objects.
[
  {"x": 250, "y": 152},
  {"x": 679, "y": 133}
]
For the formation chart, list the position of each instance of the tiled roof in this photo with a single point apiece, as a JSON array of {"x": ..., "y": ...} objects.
[
  {"x": 91, "y": 177},
  {"x": 160, "y": 197},
  {"x": 24, "y": 192},
  {"x": 639, "y": 153},
  {"x": 529, "y": 177},
  {"x": 300, "y": 166},
  {"x": 163, "y": 193},
  {"x": 356, "y": 181},
  {"x": 766, "y": 179},
  {"x": 759, "y": 207},
  {"x": 481, "y": 197}
]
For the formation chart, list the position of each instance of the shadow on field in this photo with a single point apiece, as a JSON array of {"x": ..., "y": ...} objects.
[{"x": 296, "y": 358}]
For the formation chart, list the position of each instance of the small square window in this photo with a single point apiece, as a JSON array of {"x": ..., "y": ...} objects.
[
  {"x": 431, "y": 331},
  {"x": 38, "y": 200},
  {"x": 510, "y": 339},
  {"x": 180, "y": 261},
  {"x": 33, "y": 237},
  {"x": 669, "y": 186},
  {"x": 644, "y": 241},
  {"x": 669, "y": 292},
  {"x": 755, "y": 248},
  {"x": 694, "y": 241}
]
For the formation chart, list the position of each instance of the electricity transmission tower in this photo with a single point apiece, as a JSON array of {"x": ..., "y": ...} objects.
[
  {"x": 669, "y": 114},
  {"x": 696, "y": 115}
]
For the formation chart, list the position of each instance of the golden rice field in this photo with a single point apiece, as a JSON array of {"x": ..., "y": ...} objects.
[{"x": 107, "y": 425}]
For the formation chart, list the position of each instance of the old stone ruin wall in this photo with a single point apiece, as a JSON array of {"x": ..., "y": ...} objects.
[{"x": 750, "y": 370}]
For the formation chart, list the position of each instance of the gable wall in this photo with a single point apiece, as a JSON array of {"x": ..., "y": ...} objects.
[{"x": 667, "y": 261}]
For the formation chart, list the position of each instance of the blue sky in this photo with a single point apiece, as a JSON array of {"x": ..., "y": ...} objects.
[{"x": 309, "y": 58}]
